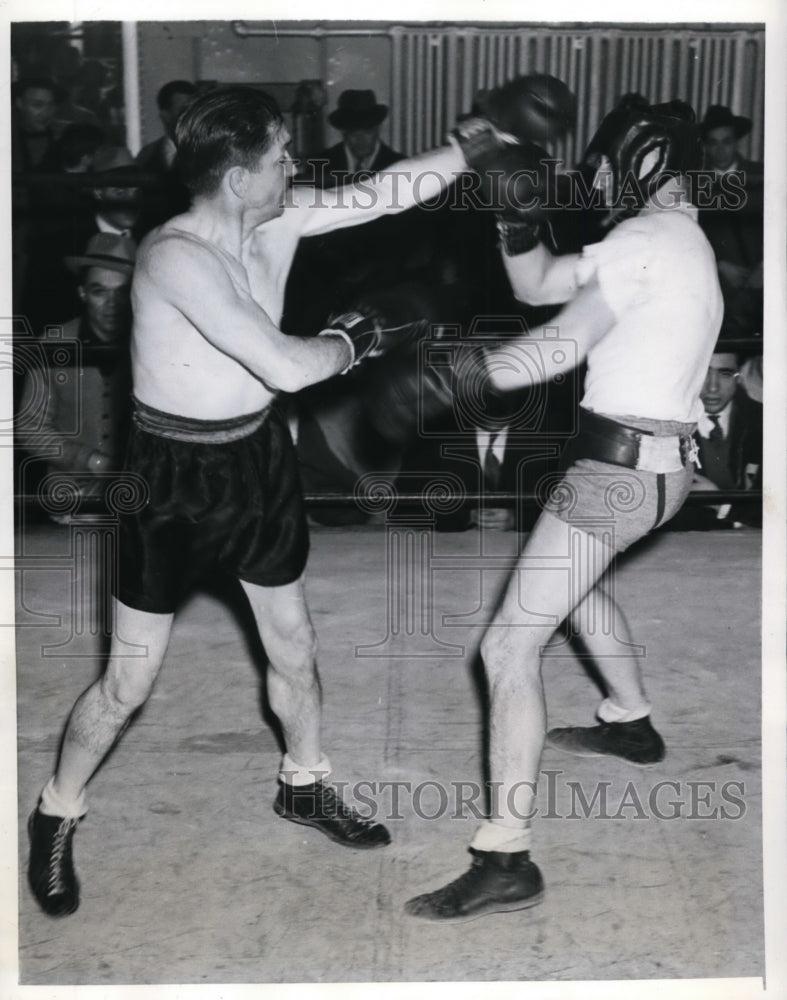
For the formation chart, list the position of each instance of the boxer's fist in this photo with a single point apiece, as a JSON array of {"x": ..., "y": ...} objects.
[
  {"x": 390, "y": 319},
  {"x": 517, "y": 187},
  {"x": 362, "y": 330},
  {"x": 533, "y": 108}
]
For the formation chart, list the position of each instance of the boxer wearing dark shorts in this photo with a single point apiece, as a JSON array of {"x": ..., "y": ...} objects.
[
  {"x": 221, "y": 494},
  {"x": 209, "y": 360}
]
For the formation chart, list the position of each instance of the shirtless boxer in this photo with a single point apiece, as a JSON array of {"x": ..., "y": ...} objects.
[
  {"x": 644, "y": 310},
  {"x": 208, "y": 361}
]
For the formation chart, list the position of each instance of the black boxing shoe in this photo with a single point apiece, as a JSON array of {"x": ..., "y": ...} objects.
[
  {"x": 637, "y": 742},
  {"x": 51, "y": 869},
  {"x": 496, "y": 882},
  {"x": 317, "y": 805}
]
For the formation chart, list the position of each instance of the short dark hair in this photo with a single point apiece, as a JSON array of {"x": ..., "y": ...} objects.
[
  {"x": 168, "y": 91},
  {"x": 222, "y": 128}
]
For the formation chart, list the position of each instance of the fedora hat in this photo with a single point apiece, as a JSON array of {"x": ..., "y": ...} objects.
[
  {"x": 116, "y": 253},
  {"x": 114, "y": 166},
  {"x": 357, "y": 109},
  {"x": 719, "y": 116}
]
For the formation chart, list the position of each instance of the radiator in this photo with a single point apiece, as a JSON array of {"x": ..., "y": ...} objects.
[{"x": 437, "y": 71}]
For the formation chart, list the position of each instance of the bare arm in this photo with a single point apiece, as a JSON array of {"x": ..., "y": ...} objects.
[
  {"x": 194, "y": 281},
  {"x": 407, "y": 183},
  {"x": 540, "y": 278},
  {"x": 539, "y": 356}
]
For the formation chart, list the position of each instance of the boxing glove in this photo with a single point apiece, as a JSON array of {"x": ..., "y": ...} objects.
[
  {"x": 516, "y": 186},
  {"x": 390, "y": 319},
  {"x": 532, "y": 108}
]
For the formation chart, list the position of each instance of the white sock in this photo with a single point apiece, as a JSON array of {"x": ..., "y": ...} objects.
[
  {"x": 493, "y": 836},
  {"x": 292, "y": 773},
  {"x": 608, "y": 711},
  {"x": 53, "y": 804}
]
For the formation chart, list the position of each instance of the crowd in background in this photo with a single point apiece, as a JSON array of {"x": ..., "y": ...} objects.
[{"x": 82, "y": 202}]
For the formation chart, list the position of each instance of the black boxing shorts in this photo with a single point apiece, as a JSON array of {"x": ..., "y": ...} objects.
[{"x": 221, "y": 496}]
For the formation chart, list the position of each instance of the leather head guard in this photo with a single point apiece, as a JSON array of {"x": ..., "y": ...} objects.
[{"x": 645, "y": 145}]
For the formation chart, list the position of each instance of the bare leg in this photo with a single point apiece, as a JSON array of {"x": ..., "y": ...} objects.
[
  {"x": 293, "y": 684},
  {"x": 102, "y": 712},
  {"x": 602, "y": 627},
  {"x": 304, "y": 796},
  {"x": 559, "y": 566}
]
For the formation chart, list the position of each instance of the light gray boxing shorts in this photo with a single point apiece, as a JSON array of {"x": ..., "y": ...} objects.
[{"x": 624, "y": 476}]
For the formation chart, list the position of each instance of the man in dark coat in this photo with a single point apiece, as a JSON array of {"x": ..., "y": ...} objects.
[{"x": 731, "y": 216}]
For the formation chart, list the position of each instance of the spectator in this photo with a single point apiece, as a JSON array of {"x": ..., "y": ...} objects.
[
  {"x": 33, "y": 131},
  {"x": 338, "y": 267},
  {"x": 731, "y": 216},
  {"x": 172, "y": 99},
  {"x": 729, "y": 438},
  {"x": 76, "y": 425},
  {"x": 361, "y": 152},
  {"x": 331, "y": 272},
  {"x": 485, "y": 442},
  {"x": 158, "y": 157},
  {"x": 112, "y": 204}
]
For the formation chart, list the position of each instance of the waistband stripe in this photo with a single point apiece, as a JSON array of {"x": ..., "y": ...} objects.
[{"x": 180, "y": 428}]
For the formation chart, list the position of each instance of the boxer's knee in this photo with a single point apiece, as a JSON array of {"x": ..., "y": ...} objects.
[
  {"x": 511, "y": 651},
  {"x": 126, "y": 687}
]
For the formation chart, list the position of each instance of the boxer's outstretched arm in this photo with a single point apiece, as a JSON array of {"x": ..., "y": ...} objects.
[
  {"x": 540, "y": 355},
  {"x": 193, "y": 280},
  {"x": 539, "y": 278},
  {"x": 407, "y": 183}
]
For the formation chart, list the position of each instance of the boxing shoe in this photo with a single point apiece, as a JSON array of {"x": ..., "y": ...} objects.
[
  {"x": 51, "y": 869},
  {"x": 496, "y": 882},
  {"x": 317, "y": 805},
  {"x": 637, "y": 742}
]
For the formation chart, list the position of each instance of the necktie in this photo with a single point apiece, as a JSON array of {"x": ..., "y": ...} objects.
[
  {"x": 491, "y": 469},
  {"x": 716, "y": 434}
]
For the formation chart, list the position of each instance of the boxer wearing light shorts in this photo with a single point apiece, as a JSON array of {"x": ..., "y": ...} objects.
[{"x": 644, "y": 310}]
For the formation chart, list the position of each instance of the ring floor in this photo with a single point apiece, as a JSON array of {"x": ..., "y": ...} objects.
[{"x": 188, "y": 876}]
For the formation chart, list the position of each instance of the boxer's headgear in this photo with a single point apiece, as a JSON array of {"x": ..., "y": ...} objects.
[{"x": 645, "y": 145}]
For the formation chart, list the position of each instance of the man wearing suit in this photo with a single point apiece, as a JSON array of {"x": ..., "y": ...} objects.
[
  {"x": 336, "y": 268},
  {"x": 731, "y": 216},
  {"x": 358, "y": 117},
  {"x": 158, "y": 157},
  {"x": 74, "y": 418},
  {"x": 330, "y": 273},
  {"x": 729, "y": 435},
  {"x": 112, "y": 205}
]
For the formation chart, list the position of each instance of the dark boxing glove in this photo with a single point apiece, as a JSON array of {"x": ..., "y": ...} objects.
[
  {"x": 534, "y": 108},
  {"x": 516, "y": 186},
  {"x": 391, "y": 319},
  {"x": 529, "y": 108}
]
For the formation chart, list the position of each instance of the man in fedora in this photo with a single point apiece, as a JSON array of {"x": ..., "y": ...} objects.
[
  {"x": 358, "y": 117},
  {"x": 732, "y": 219},
  {"x": 112, "y": 203},
  {"x": 73, "y": 418},
  {"x": 331, "y": 271}
]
